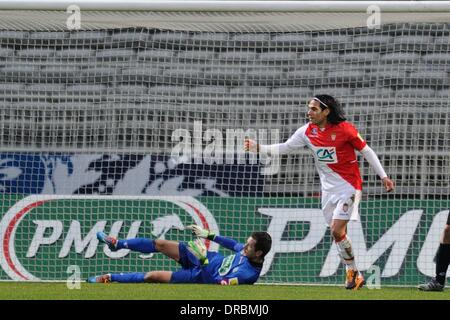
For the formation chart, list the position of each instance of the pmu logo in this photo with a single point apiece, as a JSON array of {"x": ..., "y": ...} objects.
[
  {"x": 326, "y": 154},
  {"x": 60, "y": 230}
]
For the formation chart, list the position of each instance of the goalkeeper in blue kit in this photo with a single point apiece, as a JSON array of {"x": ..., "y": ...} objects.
[{"x": 198, "y": 264}]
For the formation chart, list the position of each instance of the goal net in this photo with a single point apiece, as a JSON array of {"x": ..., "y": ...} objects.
[{"x": 133, "y": 124}]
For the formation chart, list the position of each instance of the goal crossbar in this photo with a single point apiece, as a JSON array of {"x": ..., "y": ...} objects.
[
  {"x": 216, "y": 16},
  {"x": 239, "y": 6}
]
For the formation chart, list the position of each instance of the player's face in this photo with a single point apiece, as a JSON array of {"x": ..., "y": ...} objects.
[
  {"x": 316, "y": 114},
  {"x": 249, "y": 248}
]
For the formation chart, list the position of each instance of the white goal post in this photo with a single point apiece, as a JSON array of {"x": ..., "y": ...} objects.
[{"x": 129, "y": 118}]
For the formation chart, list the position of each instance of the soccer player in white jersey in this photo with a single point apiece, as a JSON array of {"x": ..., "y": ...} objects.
[{"x": 333, "y": 142}]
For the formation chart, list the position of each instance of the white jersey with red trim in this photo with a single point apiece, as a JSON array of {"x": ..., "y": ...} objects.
[{"x": 333, "y": 148}]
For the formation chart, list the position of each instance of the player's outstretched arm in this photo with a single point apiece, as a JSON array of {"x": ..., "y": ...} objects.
[
  {"x": 201, "y": 232},
  {"x": 296, "y": 141},
  {"x": 223, "y": 241}
]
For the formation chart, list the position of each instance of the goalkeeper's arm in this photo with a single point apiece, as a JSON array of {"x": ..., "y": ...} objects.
[{"x": 223, "y": 241}]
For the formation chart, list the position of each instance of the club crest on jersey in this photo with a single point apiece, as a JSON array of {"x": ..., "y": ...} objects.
[
  {"x": 345, "y": 207},
  {"x": 325, "y": 154},
  {"x": 314, "y": 132},
  {"x": 333, "y": 136}
]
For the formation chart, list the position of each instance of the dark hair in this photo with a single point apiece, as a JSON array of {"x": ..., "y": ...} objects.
[
  {"x": 263, "y": 242},
  {"x": 336, "y": 114}
]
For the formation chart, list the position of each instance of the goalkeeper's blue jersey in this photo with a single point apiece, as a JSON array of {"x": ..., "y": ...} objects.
[{"x": 232, "y": 269}]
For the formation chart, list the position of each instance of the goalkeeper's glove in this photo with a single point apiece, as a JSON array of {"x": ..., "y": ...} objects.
[
  {"x": 200, "y": 232},
  {"x": 198, "y": 249}
]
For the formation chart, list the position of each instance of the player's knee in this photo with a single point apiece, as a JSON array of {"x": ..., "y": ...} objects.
[
  {"x": 337, "y": 233},
  {"x": 160, "y": 244}
]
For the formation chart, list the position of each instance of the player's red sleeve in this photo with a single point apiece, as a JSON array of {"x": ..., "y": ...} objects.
[{"x": 354, "y": 138}]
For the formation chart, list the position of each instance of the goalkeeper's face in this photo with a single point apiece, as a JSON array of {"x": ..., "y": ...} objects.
[{"x": 249, "y": 248}]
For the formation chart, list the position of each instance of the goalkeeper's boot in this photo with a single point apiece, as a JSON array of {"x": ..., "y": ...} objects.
[
  {"x": 354, "y": 280},
  {"x": 106, "y": 278},
  {"x": 432, "y": 285},
  {"x": 110, "y": 241}
]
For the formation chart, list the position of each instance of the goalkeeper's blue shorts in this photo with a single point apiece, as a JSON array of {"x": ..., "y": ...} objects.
[{"x": 191, "y": 271}]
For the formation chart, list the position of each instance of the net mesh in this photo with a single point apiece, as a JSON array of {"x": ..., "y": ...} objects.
[{"x": 139, "y": 131}]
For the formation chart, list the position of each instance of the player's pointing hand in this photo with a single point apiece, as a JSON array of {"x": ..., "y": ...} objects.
[
  {"x": 388, "y": 184},
  {"x": 251, "y": 145}
]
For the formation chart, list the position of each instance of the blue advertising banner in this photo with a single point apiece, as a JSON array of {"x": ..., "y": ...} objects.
[{"x": 124, "y": 174}]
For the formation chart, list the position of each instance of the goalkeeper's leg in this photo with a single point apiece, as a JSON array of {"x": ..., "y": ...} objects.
[
  {"x": 166, "y": 247},
  {"x": 137, "y": 244},
  {"x": 133, "y": 277},
  {"x": 143, "y": 245},
  {"x": 139, "y": 277}
]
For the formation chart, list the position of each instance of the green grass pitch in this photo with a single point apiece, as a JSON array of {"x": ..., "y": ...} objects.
[{"x": 59, "y": 291}]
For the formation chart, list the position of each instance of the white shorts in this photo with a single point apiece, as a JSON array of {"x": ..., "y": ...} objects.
[{"x": 341, "y": 206}]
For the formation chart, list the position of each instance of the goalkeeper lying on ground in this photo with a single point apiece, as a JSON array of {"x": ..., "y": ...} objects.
[{"x": 198, "y": 264}]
